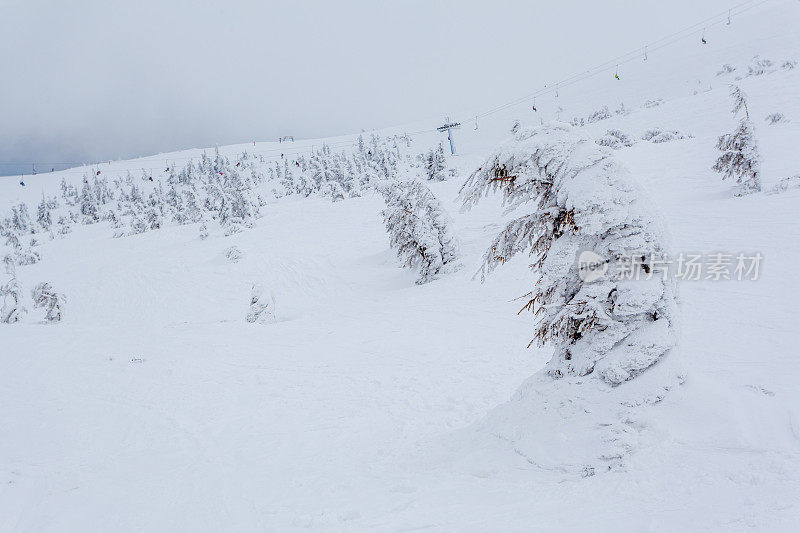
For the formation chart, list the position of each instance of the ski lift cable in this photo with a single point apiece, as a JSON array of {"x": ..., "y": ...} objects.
[
  {"x": 658, "y": 44},
  {"x": 724, "y": 17},
  {"x": 720, "y": 18},
  {"x": 606, "y": 66}
]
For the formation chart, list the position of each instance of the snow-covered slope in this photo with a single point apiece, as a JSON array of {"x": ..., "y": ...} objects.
[{"x": 371, "y": 404}]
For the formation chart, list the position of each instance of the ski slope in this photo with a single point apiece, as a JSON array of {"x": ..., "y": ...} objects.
[{"x": 155, "y": 406}]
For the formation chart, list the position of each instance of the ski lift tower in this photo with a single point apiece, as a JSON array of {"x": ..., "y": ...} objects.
[{"x": 449, "y": 127}]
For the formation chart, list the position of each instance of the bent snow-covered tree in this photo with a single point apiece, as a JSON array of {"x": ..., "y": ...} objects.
[
  {"x": 740, "y": 158},
  {"x": 419, "y": 229},
  {"x": 583, "y": 199},
  {"x": 45, "y": 296}
]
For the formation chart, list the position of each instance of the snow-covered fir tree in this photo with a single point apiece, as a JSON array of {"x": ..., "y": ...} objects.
[
  {"x": 64, "y": 226},
  {"x": 435, "y": 164},
  {"x": 26, "y": 256},
  {"x": 20, "y": 219},
  {"x": 740, "y": 158},
  {"x": 138, "y": 224},
  {"x": 262, "y": 306},
  {"x": 44, "y": 296},
  {"x": 43, "y": 214},
  {"x": 12, "y": 309},
  {"x": 88, "y": 203},
  {"x": 334, "y": 190},
  {"x": 68, "y": 192},
  {"x": 583, "y": 200},
  {"x": 12, "y": 239},
  {"x": 419, "y": 229}
]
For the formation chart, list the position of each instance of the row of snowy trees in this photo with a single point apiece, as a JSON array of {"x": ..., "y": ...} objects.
[
  {"x": 214, "y": 189},
  {"x": 218, "y": 189},
  {"x": 341, "y": 175}
]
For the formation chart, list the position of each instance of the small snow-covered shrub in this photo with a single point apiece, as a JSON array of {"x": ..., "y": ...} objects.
[
  {"x": 233, "y": 254},
  {"x": 789, "y": 65},
  {"x": 622, "y": 110},
  {"x": 601, "y": 114},
  {"x": 759, "y": 66},
  {"x": 727, "y": 68},
  {"x": 740, "y": 159},
  {"x": 26, "y": 257},
  {"x": 615, "y": 139},
  {"x": 775, "y": 118},
  {"x": 262, "y": 309},
  {"x": 653, "y": 103},
  {"x": 233, "y": 225},
  {"x": 665, "y": 136},
  {"x": 786, "y": 184},
  {"x": 419, "y": 229},
  {"x": 44, "y": 296},
  {"x": 657, "y": 135},
  {"x": 651, "y": 133}
]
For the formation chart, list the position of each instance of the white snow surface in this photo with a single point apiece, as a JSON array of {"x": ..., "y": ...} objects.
[{"x": 372, "y": 403}]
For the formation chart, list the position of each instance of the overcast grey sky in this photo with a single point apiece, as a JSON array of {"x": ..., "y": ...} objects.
[{"x": 85, "y": 80}]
